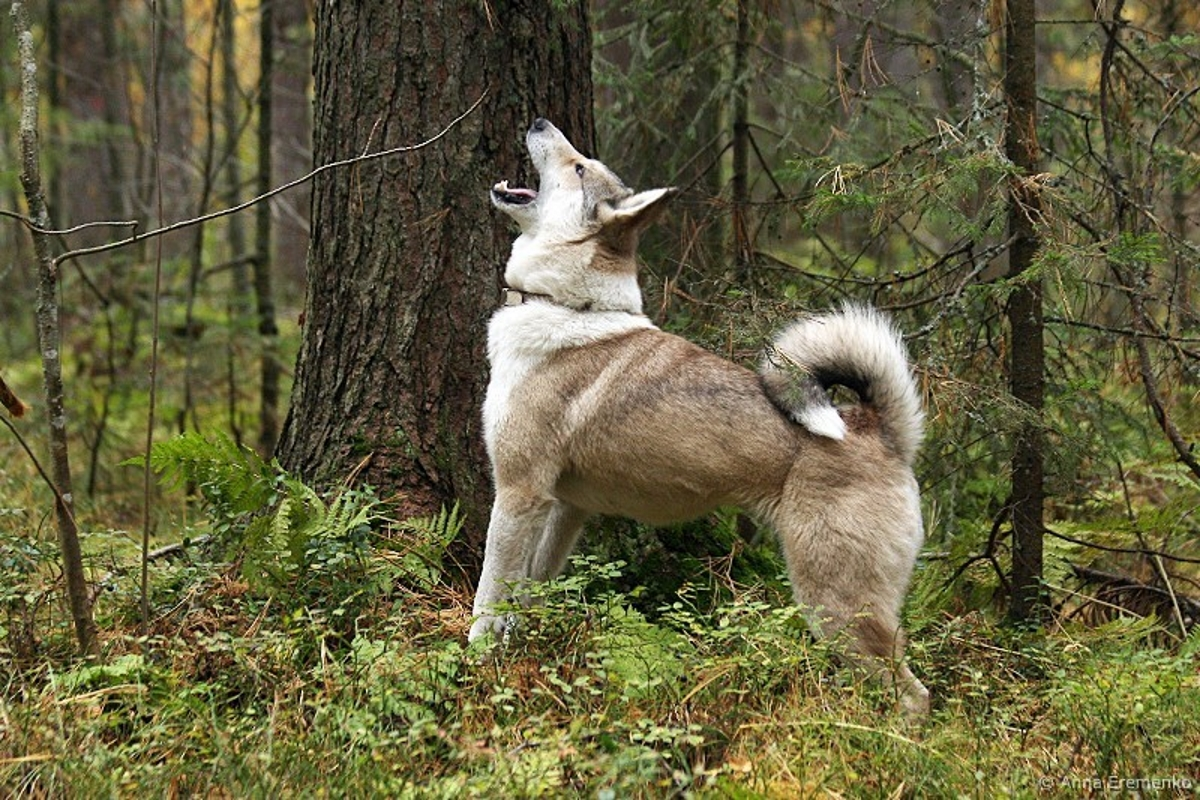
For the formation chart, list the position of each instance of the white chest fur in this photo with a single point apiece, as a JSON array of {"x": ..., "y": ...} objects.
[{"x": 521, "y": 338}]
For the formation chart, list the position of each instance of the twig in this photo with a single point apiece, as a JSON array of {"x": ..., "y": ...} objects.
[
  {"x": 988, "y": 554},
  {"x": 33, "y": 227},
  {"x": 177, "y": 547},
  {"x": 10, "y": 400},
  {"x": 1166, "y": 579},
  {"x": 175, "y": 226},
  {"x": 152, "y": 411},
  {"x": 1136, "y": 551},
  {"x": 58, "y": 496}
]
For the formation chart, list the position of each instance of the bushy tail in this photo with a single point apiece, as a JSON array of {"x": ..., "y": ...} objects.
[{"x": 858, "y": 348}]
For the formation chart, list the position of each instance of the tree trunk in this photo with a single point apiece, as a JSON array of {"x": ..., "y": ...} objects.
[
  {"x": 291, "y": 135},
  {"x": 169, "y": 118},
  {"x": 238, "y": 302},
  {"x": 92, "y": 178},
  {"x": 1027, "y": 367},
  {"x": 270, "y": 370},
  {"x": 740, "y": 110},
  {"x": 49, "y": 342},
  {"x": 407, "y": 255}
]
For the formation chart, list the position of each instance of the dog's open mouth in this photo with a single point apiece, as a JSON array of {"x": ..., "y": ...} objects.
[{"x": 513, "y": 196}]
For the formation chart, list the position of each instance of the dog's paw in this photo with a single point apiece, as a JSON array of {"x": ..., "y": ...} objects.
[
  {"x": 489, "y": 626},
  {"x": 914, "y": 702}
]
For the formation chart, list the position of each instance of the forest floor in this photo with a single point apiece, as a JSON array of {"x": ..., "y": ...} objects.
[{"x": 354, "y": 679}]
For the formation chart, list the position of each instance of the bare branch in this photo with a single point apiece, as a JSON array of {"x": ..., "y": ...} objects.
[
  {"x": 10, "y": 400},
  {"x": 34, "y": 228},
  {"x": 1136, "y": 551},
  {"x": 175, "y": 226},
  {"x": 33, "y": 459}
]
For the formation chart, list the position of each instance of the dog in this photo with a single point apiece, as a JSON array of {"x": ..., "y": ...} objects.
[{"x": 591, "y": 409}]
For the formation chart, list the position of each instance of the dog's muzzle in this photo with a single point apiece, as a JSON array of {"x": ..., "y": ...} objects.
[{"x": 513, "y": 196}]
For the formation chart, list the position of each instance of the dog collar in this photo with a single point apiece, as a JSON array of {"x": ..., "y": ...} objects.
[{"x": 517, "y": 297}]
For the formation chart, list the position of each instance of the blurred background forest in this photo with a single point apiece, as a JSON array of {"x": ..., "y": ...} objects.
[{"x": 825, "y": 150}]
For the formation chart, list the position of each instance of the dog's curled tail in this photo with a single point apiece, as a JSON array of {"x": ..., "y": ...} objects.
[{"x": 858, "y": 348}]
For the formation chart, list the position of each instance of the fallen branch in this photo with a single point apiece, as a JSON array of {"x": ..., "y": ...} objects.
[
  {"x": 1120, "y": 593},
  {"x": 169, "y": 550}
]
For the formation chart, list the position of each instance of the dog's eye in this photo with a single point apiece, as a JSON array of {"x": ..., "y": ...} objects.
[{"x": 580, "y": 169}]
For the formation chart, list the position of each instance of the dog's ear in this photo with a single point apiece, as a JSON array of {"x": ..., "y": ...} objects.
[{"x": 635, "y": 212}]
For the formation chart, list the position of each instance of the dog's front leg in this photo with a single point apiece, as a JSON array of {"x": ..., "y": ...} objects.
[
  {"x": 557, "y": 541},
  {"x": 513, "y": 532}
]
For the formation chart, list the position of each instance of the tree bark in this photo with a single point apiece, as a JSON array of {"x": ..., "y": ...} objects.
[
  {"x": 407, "y": 255},
  {"x": 1027, "y": 349}
]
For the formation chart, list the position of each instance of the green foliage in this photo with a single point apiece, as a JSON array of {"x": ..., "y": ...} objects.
[
  {"x": 708, "y": 556},
  {"x": 20, "y": 562},
  {"x": 308, "y": 550},
  {"x": 422, "y": 543},
  {"x": 128, "y": 670},
  {"x": 316, "y": 555},
  {"x": 387, "y": 691},
  {"x": 232, "y": 480},
  {"x": 32, "y": 624},
  {"x": 1123, "y": 712},
  {"x": 1136, "y": 250}
]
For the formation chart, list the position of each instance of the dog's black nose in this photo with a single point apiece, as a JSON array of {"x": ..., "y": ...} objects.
[{"x": 539, "y": 124}]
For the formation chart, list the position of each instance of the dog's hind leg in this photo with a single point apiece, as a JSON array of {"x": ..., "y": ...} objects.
[
  {"x": 849, "y": 568},
  {"x": 516, "y": 526},
  {"x": 557, "y": 541},
  {"x": 878, "y": 642}
]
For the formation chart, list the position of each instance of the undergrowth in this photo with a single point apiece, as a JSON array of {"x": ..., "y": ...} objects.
[{"x": 311, "y": 646}]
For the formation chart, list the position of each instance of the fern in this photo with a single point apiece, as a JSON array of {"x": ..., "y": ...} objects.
[
  {"x": 423, "y": 545},
  {"x": 233, "y": 481},
  {"x": 319, "y": 555},
  {"x": 293, "y": 543},
  {"x": 310, "y": 548}
]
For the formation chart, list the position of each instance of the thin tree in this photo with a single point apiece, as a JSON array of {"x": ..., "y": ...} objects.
[
  {"x": 740, "y": 109},
  {"x": 239, "y": 303},
  {"x": 50, "y": 341},
  {"x": 1027, "y": 348},
  {"x": 270, "y": 369}
]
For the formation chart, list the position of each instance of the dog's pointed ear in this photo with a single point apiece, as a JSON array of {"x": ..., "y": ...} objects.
[{"x": 636, "y": 211}]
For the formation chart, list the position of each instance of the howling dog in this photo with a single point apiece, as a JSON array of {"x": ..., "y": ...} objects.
[{"x": 592, "y": 409}]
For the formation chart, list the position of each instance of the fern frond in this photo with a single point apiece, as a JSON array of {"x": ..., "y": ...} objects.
[
  {"x": 232, "y": 479},
  {"x": 423, "y": 548}
]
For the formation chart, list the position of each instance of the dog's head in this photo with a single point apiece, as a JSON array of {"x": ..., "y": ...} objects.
[{"x": 581, "y": 223}]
